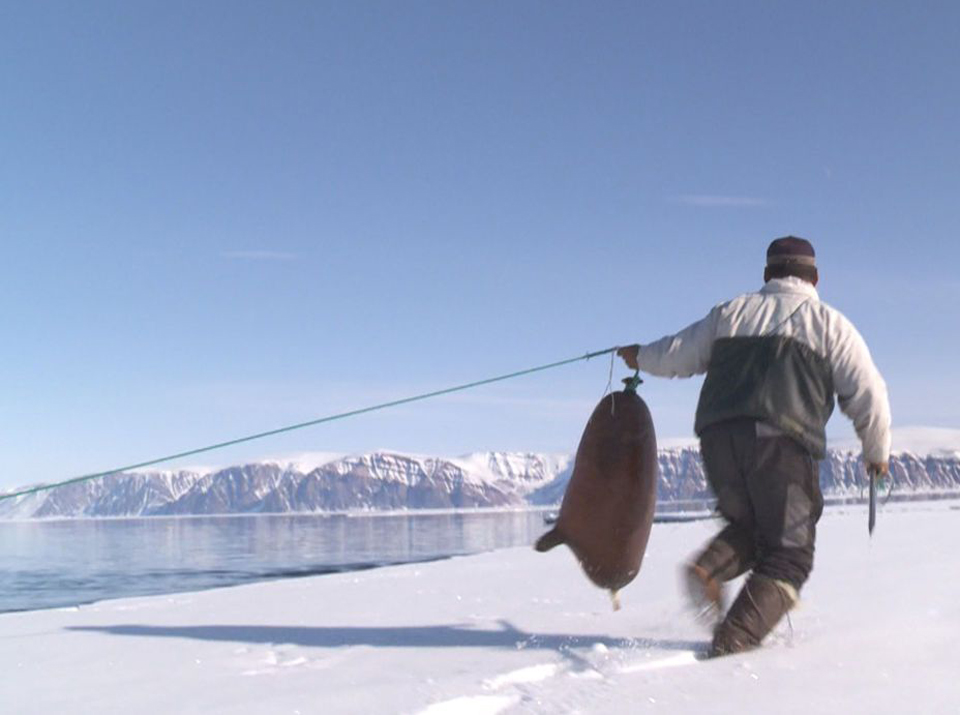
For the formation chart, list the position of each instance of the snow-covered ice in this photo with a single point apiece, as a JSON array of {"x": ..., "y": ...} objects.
[{"x": 514, "y": 631}]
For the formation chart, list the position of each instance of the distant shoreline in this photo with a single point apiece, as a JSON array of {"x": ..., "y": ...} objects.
[{"x": 699, "y": 509}]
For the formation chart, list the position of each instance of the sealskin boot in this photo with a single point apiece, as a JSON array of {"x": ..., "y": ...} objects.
[
  {"x": 703, "y": 580},
  {"x": 704, "y": 593},
  {"x": 759, "y": 606}
]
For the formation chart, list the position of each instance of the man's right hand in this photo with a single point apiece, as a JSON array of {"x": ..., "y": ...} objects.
[{"x": 629, "y": 355}]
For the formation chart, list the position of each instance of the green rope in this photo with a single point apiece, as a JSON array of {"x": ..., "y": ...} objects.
[{"x": 301, "y": 425}]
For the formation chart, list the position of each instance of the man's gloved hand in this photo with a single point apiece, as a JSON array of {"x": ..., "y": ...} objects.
[{"x": 629, "y": 355}]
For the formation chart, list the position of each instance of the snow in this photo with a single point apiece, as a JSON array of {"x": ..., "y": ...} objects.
[
  {"x": 492, "y": 467},
  {"x": 514, "y": 631},
  {"x": 927, "y": 441},
  {"x": 304, "y": 462},
  {"x": 199, "y": 470},
  {"x": 677, "y": 444},
  {"x": 916, "y": 440}
]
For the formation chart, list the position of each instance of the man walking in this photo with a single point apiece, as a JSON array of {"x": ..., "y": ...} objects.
[{"x": 774, "y": 361}]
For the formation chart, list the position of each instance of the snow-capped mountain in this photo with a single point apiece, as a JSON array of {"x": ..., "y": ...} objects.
[
  {"x": 842, "y": 473},
  {"x": 915, "y": 440},
  {"x": 387, "y": 480},
  {"x": 378, "y": 481}
]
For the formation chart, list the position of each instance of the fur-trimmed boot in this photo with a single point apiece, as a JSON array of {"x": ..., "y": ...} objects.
[
  {"x": 703, "y": 580},
  {"x": 704, "y": 594},
  {"x": 761, "y": 604}
]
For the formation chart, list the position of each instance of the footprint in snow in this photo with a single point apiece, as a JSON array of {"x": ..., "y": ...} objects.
[{"x": 531, "y": 674}]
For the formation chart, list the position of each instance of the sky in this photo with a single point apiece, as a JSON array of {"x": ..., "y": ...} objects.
[{"x": 221, "y": 218}]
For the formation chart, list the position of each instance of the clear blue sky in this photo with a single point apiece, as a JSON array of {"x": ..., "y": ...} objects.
[{"x": 218, "y": 218}]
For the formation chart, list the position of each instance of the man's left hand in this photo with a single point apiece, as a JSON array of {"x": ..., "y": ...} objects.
[
  {"x": 879, "y": 470},
  {"x": 629, "y": 355}
]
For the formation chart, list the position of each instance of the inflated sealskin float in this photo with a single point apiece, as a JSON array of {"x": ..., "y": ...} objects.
[{"x": 607, "y": 509}]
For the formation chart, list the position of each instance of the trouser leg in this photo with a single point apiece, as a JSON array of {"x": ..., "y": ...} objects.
[
  {"x": 784, "y": 487},
  {"x": 732, "y": 552},
  {"x": 784, "y": 491},
  {"x": 728, "y": 555}
]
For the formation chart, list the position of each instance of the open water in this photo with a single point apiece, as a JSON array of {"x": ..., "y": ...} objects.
[{"x": 46, "y": 564}]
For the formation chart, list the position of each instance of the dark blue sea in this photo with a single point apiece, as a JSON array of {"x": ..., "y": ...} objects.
[{"x": 47, "y": 564}]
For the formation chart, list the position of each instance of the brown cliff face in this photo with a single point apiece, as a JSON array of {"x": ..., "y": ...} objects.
[{"x": 607, "y": 509}]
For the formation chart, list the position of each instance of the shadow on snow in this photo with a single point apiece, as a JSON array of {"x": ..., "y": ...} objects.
[{"x": 508, "y": 636}]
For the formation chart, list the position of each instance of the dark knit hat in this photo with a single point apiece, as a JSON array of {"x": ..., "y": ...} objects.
[{"x": 791, "y": 251}]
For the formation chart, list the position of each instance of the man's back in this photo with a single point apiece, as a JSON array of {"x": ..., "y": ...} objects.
[{"x": 833, "y": 353}]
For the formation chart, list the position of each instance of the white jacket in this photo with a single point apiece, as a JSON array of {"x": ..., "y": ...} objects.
[{"x": 790, "y": 307}]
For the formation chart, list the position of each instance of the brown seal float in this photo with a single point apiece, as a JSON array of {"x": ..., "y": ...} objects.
[{"x": 607, "y": 509}]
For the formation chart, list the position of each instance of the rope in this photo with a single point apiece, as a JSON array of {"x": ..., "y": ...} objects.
[
  {"x": 613, "y": 401},
  {"x": 301, "y": 425},
  {"x": 606, "y": 390}
]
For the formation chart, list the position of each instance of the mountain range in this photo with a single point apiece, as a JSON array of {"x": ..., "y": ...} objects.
[{"x": 383, "y": 481}]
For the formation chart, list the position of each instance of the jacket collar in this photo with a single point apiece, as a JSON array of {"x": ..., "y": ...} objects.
[{"x": 797, "y": 286}]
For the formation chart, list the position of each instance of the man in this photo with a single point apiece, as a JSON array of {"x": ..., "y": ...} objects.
[{"x": 774, "y": 360}]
